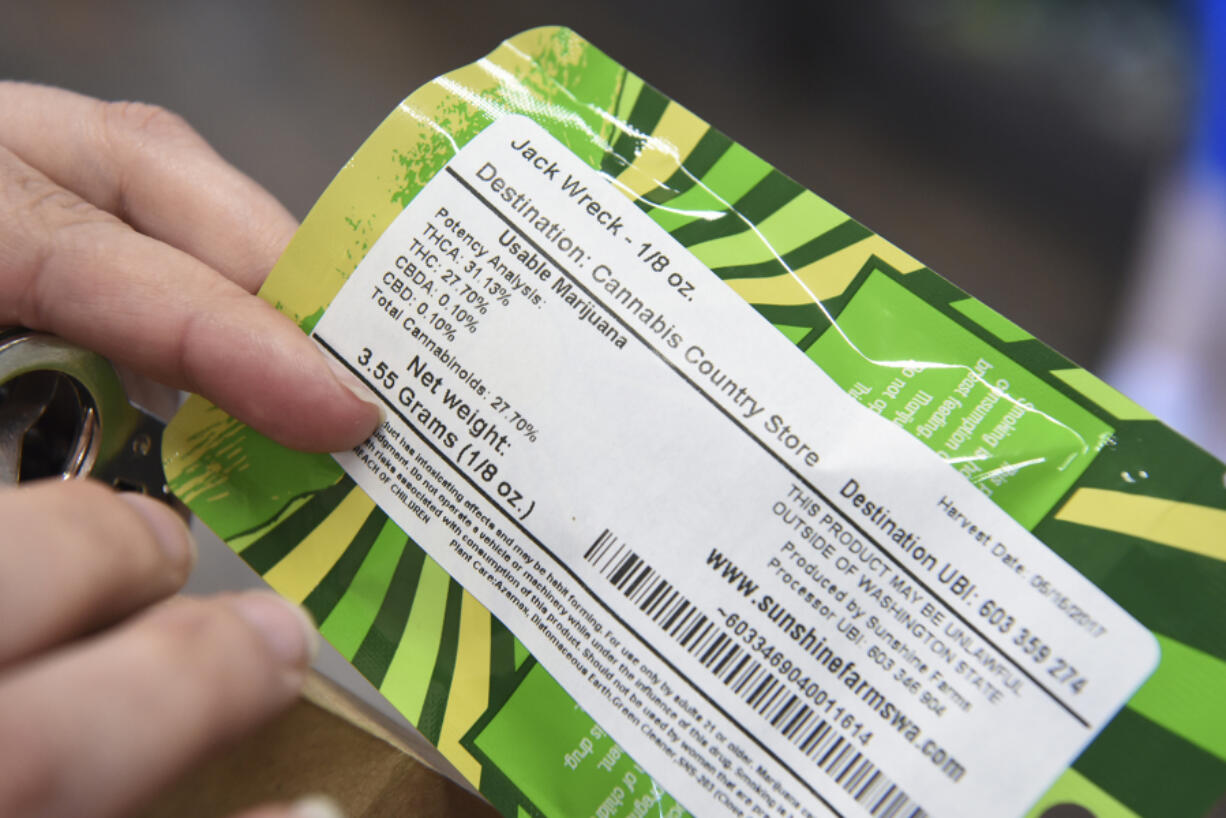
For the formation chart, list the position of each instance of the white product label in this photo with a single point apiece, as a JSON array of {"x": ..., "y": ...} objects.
[{"x": 693, "y": 529}]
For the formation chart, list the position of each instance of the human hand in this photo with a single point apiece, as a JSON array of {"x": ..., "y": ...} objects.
[
  {"x": 108, "y": 690},
  {"x": 123, "y": 231}
]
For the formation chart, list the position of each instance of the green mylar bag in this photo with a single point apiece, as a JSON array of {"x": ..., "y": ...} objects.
[{"x": 695, "y": 496}]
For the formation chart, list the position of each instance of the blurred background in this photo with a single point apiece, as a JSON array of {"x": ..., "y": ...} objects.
[{"x": 1062, "y": 160}]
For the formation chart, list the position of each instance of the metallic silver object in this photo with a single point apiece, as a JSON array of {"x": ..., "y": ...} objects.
[{"x": 64, "y": 413}]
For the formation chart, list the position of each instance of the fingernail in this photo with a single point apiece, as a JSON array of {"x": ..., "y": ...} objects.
[
  {"x": 316, "y": 806},
  {"x": 169, "y": 529},
  {"x": 351, "y": 382},
  {"x": 286, "y": 628}
]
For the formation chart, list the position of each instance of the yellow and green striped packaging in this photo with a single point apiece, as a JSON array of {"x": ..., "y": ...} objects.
[{"x": 1131, "y": 505}]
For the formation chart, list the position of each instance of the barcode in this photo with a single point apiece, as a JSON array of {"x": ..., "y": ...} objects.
[{"x": 751, "y": 680}]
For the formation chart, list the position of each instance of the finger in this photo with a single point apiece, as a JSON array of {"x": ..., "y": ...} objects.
[
  {"x": 71, "y": 269},
  {"x": 96, "y": 728},
  {"x": 87, "y": 557},
  {"x": 151, "y": 169},
  {"x": 314, "y": 806}
]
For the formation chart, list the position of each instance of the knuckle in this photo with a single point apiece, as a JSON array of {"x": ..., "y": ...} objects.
[
  {"x": 129, "y": 131},
  {"x": 142, "y": 121},
  {"x": 38, "y": 205}
]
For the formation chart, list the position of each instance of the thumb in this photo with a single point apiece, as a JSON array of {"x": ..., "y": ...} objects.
[{"x": 312, "y": 806}]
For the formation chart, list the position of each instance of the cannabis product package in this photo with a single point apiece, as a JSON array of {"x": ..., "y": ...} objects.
[{"x": 695, "y": 496}]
